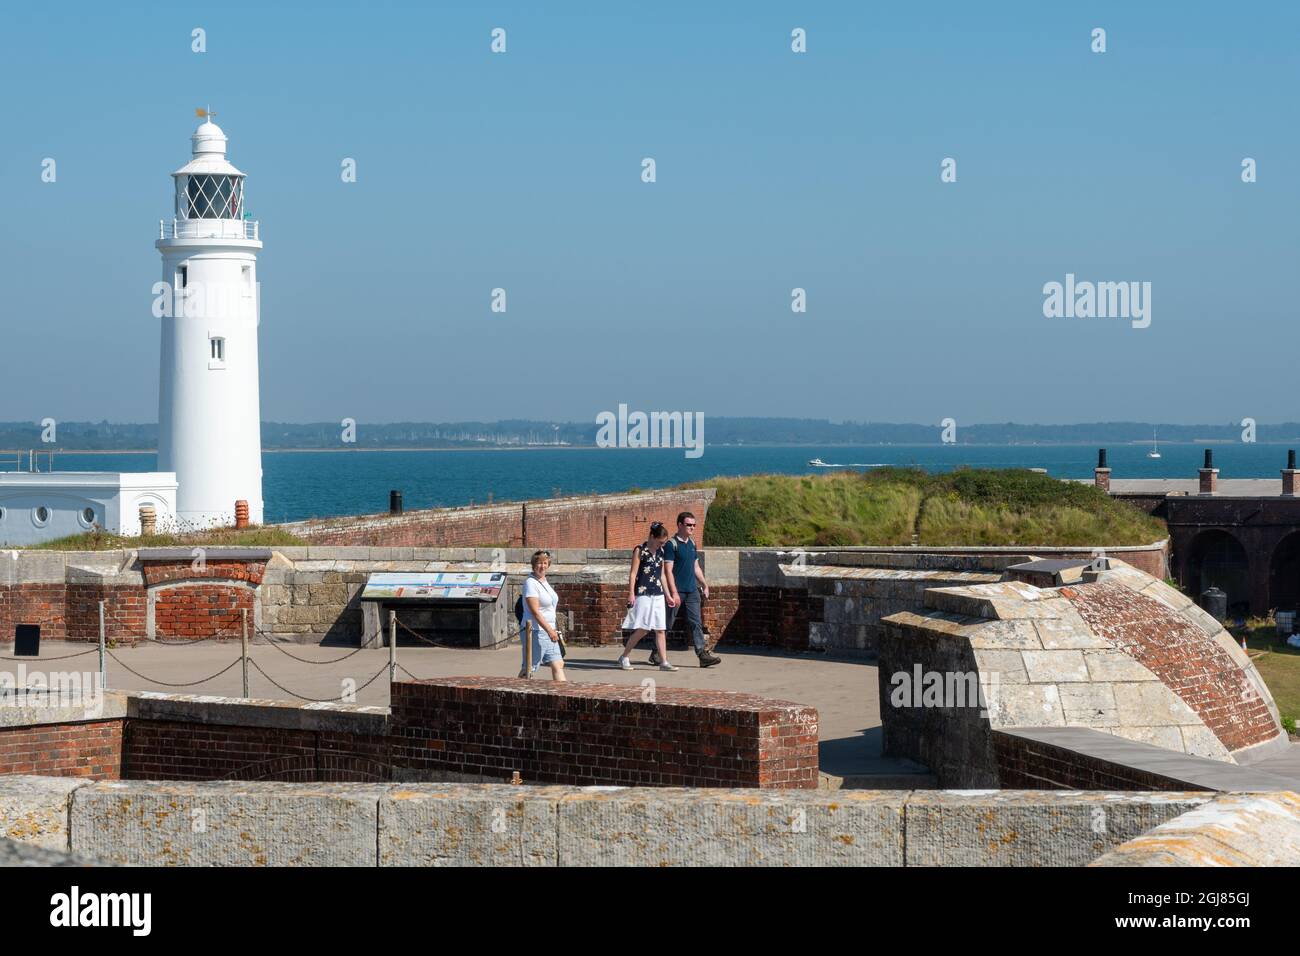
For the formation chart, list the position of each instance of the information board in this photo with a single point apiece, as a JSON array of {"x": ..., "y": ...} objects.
[{"x": 434, "y": 586}]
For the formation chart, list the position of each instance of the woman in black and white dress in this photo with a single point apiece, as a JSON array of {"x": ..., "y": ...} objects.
[{"x": 646, "y": 601}]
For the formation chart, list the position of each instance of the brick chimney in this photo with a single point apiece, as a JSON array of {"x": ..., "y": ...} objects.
[
  {"x": 1101, "y": 474},
  {"x": 1209, "y": 474},
  {"x": 1289, "y": 475},
  {"x": 241, "y": 513}
]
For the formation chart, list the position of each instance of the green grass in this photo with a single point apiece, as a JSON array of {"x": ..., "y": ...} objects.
[
  {"x": 1278, "y": 664},
  {"x": 254, "y": 537},
  {"x": 888, "y": 506}
]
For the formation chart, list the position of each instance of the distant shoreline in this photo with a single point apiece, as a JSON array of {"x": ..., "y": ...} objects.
[{"x": 825, "y": 445}]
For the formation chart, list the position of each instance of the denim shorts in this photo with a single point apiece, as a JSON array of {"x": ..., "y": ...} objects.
[{"x": 545, "y": 650}]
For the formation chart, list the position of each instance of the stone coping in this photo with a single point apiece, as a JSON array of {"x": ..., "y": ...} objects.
[
  {"x": 35, "y": 709},
  {"x": 439, "y": 824},
  {"x": 256, "y": 712},
  {"x": 1182, "y": 770},
  {"x": 720, "y": 700},
  {"x": 209, "y": 554}
]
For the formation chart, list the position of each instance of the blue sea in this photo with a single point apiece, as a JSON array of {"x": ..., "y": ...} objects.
[{"x": 301, "y": 485}]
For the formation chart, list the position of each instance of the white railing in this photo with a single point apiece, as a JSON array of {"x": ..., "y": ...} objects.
[{"x": 207, "y": 229}]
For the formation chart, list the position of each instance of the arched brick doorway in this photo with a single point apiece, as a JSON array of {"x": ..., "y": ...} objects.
[
  {"x": 1284, "y": 574},
  {"x": 1217, "y": 559}
]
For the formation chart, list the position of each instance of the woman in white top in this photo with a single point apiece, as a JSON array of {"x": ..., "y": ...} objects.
[
  {"x": 538, "y": 624},
  {"x": 646, "y": 598}
]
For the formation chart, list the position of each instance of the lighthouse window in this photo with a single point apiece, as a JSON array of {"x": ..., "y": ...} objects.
[
  {"x": 218, "y": 346},
  {"x": 41, "y": 515},
  {"x": 182, "y": 277},
  {"x": 214, "y": 197}
]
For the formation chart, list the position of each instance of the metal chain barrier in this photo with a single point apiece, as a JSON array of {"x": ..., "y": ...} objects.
[
  {"x": 408, "y": 673},
  {"x": 421, "y": 637},
  {"x": 364, "y": 645},
  {"x": 315, "y": 700},
  {"x": 169, "y": 683}
]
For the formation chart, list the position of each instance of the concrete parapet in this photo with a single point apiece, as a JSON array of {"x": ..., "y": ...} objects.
[
  {"x": 675, "y": 827},
  {"x": 468, "y": 825},
  {"x": 230, "y": 823},
  {"x": 255, "y": 712},
  {"x": 34, "y": 810},
  {"x": 1235, "y": 829},
  {"x": 225, "y": 823},
  {"x": 1035, "y": 828}
]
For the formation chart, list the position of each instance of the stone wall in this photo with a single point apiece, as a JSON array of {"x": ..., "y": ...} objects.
[
  {"x": 450, "y": 729},
  {"x": 829, "y": 600},
  {"x": 1080, "y": 758},
  {"x": 1122, "y": 653},
  {"x": 284, "y": 824},
  {"x": 56, "y": 739}
]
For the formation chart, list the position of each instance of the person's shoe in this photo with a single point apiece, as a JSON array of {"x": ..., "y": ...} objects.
[
  {"x": 624, "y": 663},
  {"x": 667, "y": 667},
  {"x": 708, "y": 659},
  {"x": 654, "y": 659}
]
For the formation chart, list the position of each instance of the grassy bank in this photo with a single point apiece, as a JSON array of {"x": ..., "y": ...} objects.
[
  {"x": 1277, "y": 663},
  {"x": 900, "y": 506},
  {"x": 255, "y": 537}
]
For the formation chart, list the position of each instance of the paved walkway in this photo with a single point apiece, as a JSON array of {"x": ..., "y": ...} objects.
[{"x": 845, "y": 693}]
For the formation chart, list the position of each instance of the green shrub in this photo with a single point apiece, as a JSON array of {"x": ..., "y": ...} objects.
[
  {"x": 1008, "y": 507},
  {"x": 728, "y": 526}
]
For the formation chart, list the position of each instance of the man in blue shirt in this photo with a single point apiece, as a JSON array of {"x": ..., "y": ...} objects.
[{"x": 684, "y": 580}]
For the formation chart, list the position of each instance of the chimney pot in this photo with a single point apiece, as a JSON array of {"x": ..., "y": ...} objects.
[
  {"x": 1101, "y": 474},
  {"x": 1209, "y": 475}
]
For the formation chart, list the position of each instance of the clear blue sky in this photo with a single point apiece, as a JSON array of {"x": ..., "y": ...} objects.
[{"x": 775, "y": 170}]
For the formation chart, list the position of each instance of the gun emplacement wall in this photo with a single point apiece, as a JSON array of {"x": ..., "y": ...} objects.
[
  {"x": 466, "y": 728},
  {"x": 832, "y": 600}
]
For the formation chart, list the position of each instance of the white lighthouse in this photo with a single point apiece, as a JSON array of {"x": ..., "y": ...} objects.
[{"x": 209, "y": 422}]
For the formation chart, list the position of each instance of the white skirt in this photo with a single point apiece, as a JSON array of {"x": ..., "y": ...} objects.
[{"x": 648, "y": 613}]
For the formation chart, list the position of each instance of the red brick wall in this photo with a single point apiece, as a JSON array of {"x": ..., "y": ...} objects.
[
  {"x": 1186, "y": 659},
  {"x": 596, "y": 521},
  {"x": 71, "y": 611},
  {"x": 202, "y": 610},
  {"x": 169, "y": 572},
  {"x": 593, "y": 734},
  {"x": 92, "y": 749},
  {"x": 173, "y": 750},
  {"x": 766, "y": 617},
  {"x": 1034, "y": 765}
]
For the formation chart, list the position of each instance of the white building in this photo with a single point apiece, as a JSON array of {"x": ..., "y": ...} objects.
[
  {"x": 42, "y": 506},
  {"x": 209, "y": 421},
  {"x": 209, "y": 436}
]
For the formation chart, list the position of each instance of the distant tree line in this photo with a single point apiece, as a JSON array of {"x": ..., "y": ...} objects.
[{"x": 113, "y": 436}]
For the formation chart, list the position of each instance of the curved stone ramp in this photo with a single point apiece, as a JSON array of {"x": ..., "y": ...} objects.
[{"x": 1236, "y": 829}]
